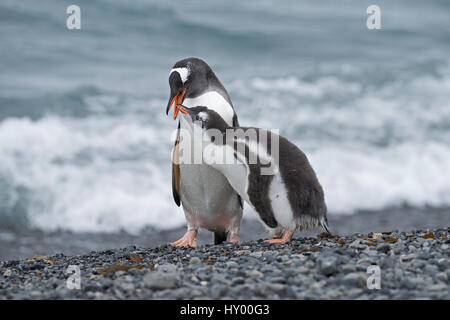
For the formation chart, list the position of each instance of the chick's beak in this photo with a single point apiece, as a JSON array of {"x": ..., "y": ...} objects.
[
  {"x": 177, "y": 100},
  {"x": 180, "y": 107}
]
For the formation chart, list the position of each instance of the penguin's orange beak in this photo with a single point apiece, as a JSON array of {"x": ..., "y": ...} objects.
[
  {"x": 179, "y": 107},
  {"x": 178, "y": 100}
]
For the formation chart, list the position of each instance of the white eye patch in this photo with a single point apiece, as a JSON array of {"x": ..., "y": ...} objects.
[
  {"x": 183, "y": 72},
  {"x": 203, "y": 116}
]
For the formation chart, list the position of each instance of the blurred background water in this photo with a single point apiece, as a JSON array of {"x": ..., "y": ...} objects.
[{"x": 85, "y": 143}]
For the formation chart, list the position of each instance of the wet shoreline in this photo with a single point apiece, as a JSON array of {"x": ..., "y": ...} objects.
[{"x": 34, "y": 242}]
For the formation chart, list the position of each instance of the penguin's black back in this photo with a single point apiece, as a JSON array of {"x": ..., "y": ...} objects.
[{"x": 305, "y": 194}]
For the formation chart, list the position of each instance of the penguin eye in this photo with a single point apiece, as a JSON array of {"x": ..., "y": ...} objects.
[
  {"x": 213, "y": 139},
  {"x": 197, "y": 117}
]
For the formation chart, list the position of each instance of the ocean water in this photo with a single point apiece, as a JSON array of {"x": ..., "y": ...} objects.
[{"x": 85, "y": 144}]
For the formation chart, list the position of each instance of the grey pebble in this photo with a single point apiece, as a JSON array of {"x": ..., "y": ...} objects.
[
  {"x": 355, "y": 279},
  {"x": 219, "y": 278},
  {"x": 218, "y": 291},
  {"x": 327, "y": 266},
  {"x": 160, "y": 280},
  {"x": 232, "y": 264},
  {"x": 384, "y": 248},
  {"x": 442, "y": 276},
  {"x": 168, "y": 268},
  {"x": 195, "y": 260}
]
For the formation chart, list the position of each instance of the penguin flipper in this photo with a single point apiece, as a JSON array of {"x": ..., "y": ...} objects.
[
  {"x": 236, "y": 124},
  {"x": 176, "y": 176},
  {"x": 235, "y": 121},
  {"x": 241, "y": 203}
]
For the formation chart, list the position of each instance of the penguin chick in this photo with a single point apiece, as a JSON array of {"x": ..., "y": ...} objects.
[{"x": 268, "y": 171}]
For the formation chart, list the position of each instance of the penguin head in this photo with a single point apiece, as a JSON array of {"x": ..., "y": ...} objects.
[
  {"x": 205, "y": 117},
  {"x": 188, "y": 77}
]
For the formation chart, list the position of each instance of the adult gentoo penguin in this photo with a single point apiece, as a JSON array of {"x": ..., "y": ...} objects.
[
  {"x": 287, "y": 198},
  {"x": 207, "y": 198}
]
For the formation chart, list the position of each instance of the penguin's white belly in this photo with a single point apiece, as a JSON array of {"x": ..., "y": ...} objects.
[
  {"x": 207, "y": 198},
  {"x": 281, "y": 206}
]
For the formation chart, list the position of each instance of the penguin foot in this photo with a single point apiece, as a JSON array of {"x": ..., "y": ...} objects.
[
  {"x": 188, "y": 240},
  {"x": 278, "y": 240},
  {"x": 234, "y": 237},
  {"x": 285, "y": 239},
  {"x": 277, "y": 235}
]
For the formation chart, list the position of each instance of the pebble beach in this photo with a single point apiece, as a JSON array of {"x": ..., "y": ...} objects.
[{"x": 411, "y": 265}]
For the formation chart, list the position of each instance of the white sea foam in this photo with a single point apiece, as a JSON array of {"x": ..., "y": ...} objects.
[
  {"x": 376, "y": 178},
  {"x": 96, "y": 174}
]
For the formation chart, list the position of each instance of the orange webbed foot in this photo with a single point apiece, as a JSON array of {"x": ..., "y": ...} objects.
[
  {"x": 285, "y": 239},
  {"x": 188, "y": 240}
]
